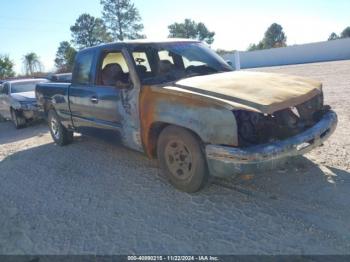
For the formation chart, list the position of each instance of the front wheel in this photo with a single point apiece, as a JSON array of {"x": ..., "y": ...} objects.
[
  {"x": 59, "y": 133},
  {"x": 17, "y": 120},
  {"x": 181, "y": 159}
]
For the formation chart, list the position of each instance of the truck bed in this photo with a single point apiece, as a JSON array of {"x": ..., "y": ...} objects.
[{"x": 48, "y": 94}]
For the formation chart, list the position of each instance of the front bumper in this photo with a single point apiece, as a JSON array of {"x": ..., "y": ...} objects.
[
  {"x": 225, "y": 161},
  {"x": 31, "y": 112}
]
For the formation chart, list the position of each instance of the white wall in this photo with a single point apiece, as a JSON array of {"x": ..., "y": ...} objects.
[{"x": 298, "y": 54}]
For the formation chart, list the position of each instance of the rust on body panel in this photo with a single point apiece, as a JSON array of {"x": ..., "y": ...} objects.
[
  {"x": 160, "y": 106},
  {"x": 146, "y": 119}
]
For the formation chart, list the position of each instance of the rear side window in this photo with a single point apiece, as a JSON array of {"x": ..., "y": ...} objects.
[
  {"x": 142, "y": 60},
  {"x": 83, "y": 68}
]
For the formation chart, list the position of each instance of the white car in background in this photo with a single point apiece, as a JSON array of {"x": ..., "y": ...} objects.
[{"x": 18, "y": 102}]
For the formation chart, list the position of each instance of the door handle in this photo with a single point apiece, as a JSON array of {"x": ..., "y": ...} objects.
[{"x": 94, "y": 99}]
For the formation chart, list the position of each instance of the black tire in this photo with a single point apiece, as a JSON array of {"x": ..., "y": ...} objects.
[
  {"x": 18, "y": 120},
  {"x": 181, "y": 159},
  {"x": 59, "y": 133}
]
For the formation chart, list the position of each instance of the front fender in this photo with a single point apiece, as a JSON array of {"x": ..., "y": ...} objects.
[
  {"x": 212, "y": 122},
  {"x": 15, "y": 104}
]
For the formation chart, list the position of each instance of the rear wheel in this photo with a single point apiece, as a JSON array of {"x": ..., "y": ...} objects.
[
  {"x": 18, "y": 121},
  {"x": 181, "y": 159},
  {"x": 59, "y": 133}
]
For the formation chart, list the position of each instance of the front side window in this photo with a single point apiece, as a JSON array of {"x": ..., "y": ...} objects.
[
  {"x": 82, "y": 69},
  {"x": 168, "y": 62}
]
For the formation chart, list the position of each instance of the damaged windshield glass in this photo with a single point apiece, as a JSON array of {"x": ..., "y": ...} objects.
[{"x": 168, "y": 62}]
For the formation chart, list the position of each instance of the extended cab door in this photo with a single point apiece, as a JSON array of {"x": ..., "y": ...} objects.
[{"x": 95, "y": 93}]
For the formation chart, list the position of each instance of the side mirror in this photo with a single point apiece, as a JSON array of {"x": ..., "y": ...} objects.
[{"x": 229, "y": 62}]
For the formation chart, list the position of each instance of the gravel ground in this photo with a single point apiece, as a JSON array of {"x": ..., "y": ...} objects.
[{"x": 95, "y": 198}]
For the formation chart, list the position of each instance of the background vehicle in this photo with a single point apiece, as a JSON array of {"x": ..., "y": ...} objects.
[
  {"x": 61, "y": 78},
  {"x": 180, "y": 102},
  {"x": 17, "y": 101}
]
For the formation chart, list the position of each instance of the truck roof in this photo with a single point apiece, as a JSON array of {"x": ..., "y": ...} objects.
[
  {"x": 159, "y": 41},
  {"x": 144, "y": 41}
]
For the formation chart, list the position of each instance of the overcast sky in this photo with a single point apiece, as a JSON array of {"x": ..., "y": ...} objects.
[{"x": 39, "y": 25}]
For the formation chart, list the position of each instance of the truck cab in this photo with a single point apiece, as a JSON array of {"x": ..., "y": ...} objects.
[{"x": 180, "y": 102}]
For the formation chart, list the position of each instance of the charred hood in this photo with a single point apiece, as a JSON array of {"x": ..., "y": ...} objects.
[{"x": 261, "y": 92}]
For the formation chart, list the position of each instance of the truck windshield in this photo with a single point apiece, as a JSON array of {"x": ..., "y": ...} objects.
[
  {"x": 168, "y": 62},
  {"x": 23, "y": 87}
]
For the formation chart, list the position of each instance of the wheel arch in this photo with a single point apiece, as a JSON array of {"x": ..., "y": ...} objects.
[
  {"x": 47, "y": 106},
  {"x": 154, "y": 132}
]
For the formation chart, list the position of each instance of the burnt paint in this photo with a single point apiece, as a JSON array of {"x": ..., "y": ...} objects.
[
  {"x": 211, "y": 122},
  {"x": 224, "y": 161}
]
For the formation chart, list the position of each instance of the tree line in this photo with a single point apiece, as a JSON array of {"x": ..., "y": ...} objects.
[
  {"x": 344, "y": 34},
  {"x": 275, "y": 37},
  {"x": 120, "y": 21},
  {"x": 31, "y": 63}
]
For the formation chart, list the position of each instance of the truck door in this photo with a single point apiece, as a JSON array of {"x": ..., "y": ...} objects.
[
  {"x": 95, "y": 94},
  {"x": 82, "y": 91}
]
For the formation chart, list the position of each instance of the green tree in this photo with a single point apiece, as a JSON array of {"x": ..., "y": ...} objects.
[
  {"x": 32, "y": 63},
  {"x": 274, "y": 37},
  {"x": 6, "y": 67},
  {"x": 123, "y": 20},
  {"x": 333, "y": 36},
  {"x": 253, "y": 47},
  {"x": 345, "y": 33},
  {"x": 191, "y": 29},
  {"x": 89, "y": 31},
  {"x": 65, "y": 56}
]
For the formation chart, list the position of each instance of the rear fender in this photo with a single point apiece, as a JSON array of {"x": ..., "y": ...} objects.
[{"x": 64, "y": 115}]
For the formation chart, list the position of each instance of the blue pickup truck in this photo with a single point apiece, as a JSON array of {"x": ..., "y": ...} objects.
[{"x": 179, "y": 102}]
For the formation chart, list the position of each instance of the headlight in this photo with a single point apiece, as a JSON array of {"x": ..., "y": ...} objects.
[
  {"x": 252, "y": 127},
  {"x": 310, "y": 107},
  {"x": 256, "y": 128}
]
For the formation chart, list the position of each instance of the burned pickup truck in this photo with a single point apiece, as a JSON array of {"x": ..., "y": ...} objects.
[{"x": 180, "y": 102}]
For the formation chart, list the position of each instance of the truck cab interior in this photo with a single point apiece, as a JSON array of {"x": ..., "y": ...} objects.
[{"x": 114, "y": 71}]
